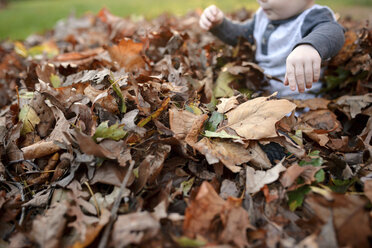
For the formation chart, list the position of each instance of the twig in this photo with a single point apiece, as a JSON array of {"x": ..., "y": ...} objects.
[
  {"x": 94, "y": 198},
  {"x": 23, "y": 208},
  {"x": 115, "y": 207}
]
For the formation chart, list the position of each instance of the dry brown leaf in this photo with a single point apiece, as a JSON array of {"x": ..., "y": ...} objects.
[
  {"x": 348, "y": 49},
  {"x": 40, "y": 149},
  {"x": 323, "y": 121},
  {"x": 201, "y": 215},
  {"x": 129, "y": 122},
  {"x": 45, "y": 114},
  {"x": 47, "y": 229},
  {"x": 101, "y": 97},
  {"x": 61, "y": 129},
  {"x": 160, "y": 154},
  {"x": 202, "y": 210},
  {"x": 230, "y": 154},
  {"x": 197, "y": 126},
  {"x": 88, "y": 146},
  {"x": 93, "y": 230},
  {"x": 227, "y": 104},
  {"x": 134, "y": 228},
  {"x": 78, "y": 57},
  {"x": 128, "y": 54},
  {"x": 313, "y": 104},
  {"x": 235, "y": 221},
  {"x": 353, "y": 105},
  {"x": 368, "y": 189},
  {"x": 111, "y": 174},
  {"x": 322, "y": 138},
  {"x": 256, "y": 119},
  {"x": 350, "y": 218},
  {"x": 256, "y": 179},
  {"x": 259, "y": 157},
  {"x": 143, "y": 174},
  {"x": 180, "y": 122},
  {"x": 290, "y": 176}
]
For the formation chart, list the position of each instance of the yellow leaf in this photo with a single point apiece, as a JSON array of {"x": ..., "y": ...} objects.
[{"x": 29, "y": 118}]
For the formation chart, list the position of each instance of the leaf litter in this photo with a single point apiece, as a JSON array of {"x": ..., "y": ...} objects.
[{"x": 152, "y": 133}]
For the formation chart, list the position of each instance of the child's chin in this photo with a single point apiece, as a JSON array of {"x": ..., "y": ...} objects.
[{"x": 272, "y": 17}]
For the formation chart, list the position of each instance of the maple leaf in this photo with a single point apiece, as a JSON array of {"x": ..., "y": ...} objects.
[{"x": 128, "y": 54}]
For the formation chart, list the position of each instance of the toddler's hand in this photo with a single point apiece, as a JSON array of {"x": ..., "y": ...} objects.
[
  {"x": 211, "y": 17},
  {"x": 303, "y": 68}
]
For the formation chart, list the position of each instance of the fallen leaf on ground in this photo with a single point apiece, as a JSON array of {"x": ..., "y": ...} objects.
[
  {"x": 230, "y": 154},
  {"x": 256, "y": 179},
  {"x": 256, "y": 119},
  {"x": 134, "y": 228}
]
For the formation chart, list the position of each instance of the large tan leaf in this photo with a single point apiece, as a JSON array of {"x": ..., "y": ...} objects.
[
  {"x": 230, "y": 154},
  {"x": 255, "y": 119}
]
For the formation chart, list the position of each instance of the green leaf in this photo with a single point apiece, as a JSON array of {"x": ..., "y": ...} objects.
[
  {"x": 341, "y": 186},
  {"x": 222, "y": 88},
  {"x": 186, "y": 186},
  {"x": 190, "y": 243},
  {"x": 316, "y": 160},
  {"x": 29, "y": 118},
  {"x": 114, "y": 132},
  {"x": 335, "y": 81},
  {"x": 212, "y": 105},
  {"x": 297, "y": 137},
  {"x": 314, "y": 154},
  {"x": 26, "y": 94},
  {"x": 46, "y": 48},
  {"x": 320, "y": 176},
  {"x": 221, "y": 134},
  {"x": 55, "y": 80},
  {"x": 296, "y": 197},
  {"x": 214, "y": 121},
  {"x": 123, "y": 106}
]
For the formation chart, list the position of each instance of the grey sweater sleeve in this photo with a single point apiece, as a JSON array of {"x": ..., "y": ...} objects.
[
  {"x": 322, "y": 32},
  {"x": 229, "y": 31}
]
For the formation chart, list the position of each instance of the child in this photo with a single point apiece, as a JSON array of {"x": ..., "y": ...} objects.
[{"x": 292, "y": 38}]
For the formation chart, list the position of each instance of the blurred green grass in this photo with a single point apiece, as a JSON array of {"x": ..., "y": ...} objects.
[{"x": 24, "y": 17}]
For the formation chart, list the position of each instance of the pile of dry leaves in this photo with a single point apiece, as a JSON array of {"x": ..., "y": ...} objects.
[{"x": 119, "y": 133}]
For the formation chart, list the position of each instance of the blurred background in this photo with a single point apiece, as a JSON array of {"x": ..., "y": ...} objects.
[{"x": 20, "y": 18}]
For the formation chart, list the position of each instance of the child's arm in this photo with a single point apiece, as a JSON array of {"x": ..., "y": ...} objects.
[
  {"x": 213, "y": 20},
  {"x": 323, "y": 37}
]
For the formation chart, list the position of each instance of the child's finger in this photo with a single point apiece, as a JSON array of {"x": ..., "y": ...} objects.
[
  {"x": 286, "y": 80},
  {"x": 204, "y": 23},
  {"x": 214, "y": 10},
  {"x": 300, "y": 77},
  {"x": 291, "y": 77},
  {"x": 316, "y": 69},
  {"x": 309, "y": 75},
  {"x": 210, "y": 16}
]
